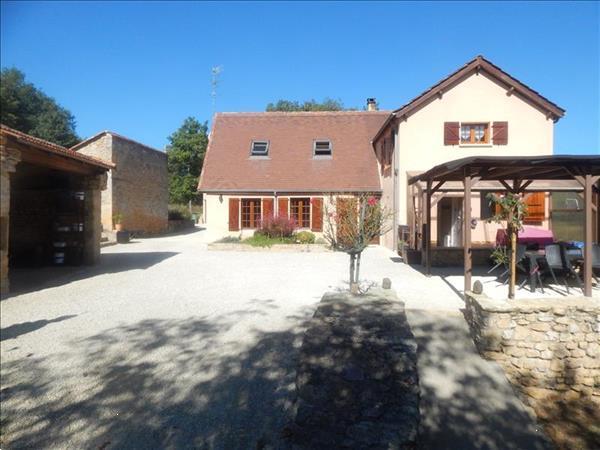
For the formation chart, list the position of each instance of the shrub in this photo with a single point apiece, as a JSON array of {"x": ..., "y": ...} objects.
[
  {"x": 261, "y": 240},
  {"x": 179, "y": 212},
  {"x": 305, "y": 237},
  {"x": 277, "y": 227}
]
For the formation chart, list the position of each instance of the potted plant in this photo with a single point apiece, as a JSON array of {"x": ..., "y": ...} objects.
[{"x": 118, "y": 221}]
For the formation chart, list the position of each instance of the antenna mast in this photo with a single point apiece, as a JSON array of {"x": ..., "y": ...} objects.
[{"x": 214, "y": 83}]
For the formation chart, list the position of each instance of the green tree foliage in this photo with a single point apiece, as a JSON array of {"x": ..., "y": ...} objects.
[
  {"x": 26, "y": 108},
  {"x": 185, "y": 155},
  {"x": 327, "y": 104}
]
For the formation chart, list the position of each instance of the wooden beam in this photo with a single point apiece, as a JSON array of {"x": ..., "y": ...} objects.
[
  {"x": 526, "y": 185},
  {"x": 506, "y": 185},
  {"x": 587, "y": 246},
  {"x": 437, "y": 187},
  {"x": 51, "y": 161},
  {"x": 467, "y": 232},
  {"x": 428, "y": 229}
]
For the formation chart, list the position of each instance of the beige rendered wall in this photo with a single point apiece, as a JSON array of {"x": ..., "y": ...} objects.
[
  {"x": 216, "y": 213},
  {"x": 420, "y": 139},
  {"x": 102, "y": 148}
]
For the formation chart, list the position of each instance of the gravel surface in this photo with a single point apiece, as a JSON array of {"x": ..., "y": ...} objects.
[
  {"x": 162, "y": 345},
  {"x": 165, "y": 344}
]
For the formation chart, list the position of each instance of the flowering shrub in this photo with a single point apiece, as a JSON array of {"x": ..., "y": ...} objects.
[{"x": 277, "y": 227}]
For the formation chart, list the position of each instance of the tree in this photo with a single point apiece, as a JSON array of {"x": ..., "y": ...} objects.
[
  {"x": 353, "y": 226},
  {"x": 512, "y": 208},
  {"x": 327, "y": 104},
  {"x": 185, "y": 155},
  {"x": 26, "y": 108}
]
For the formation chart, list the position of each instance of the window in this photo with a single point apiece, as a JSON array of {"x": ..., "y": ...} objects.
[
  {"x": 300, "y": 211},
  {"x": 474, "y": 133},
  {"x": 250, "y": 212},
  {"x": 322, "y": 148},
  {"x": 568, "y": 217},
  {"x": 488, "y": 209},
  {"x": 260, "y": 148}
]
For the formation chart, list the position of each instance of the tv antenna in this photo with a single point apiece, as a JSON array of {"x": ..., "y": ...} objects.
[{"x": 214, "y": 83}]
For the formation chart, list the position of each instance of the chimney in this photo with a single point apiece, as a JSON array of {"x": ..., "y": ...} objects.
[{"x": 371, "y": 104}]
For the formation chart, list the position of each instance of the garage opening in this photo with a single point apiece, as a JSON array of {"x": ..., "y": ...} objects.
[{"x": 47, "y": 218}]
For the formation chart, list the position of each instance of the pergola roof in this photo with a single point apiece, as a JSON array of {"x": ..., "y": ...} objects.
[{"x": 551, "y": 167}]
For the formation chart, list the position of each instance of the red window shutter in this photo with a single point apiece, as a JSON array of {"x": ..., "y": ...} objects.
[
  {"x": 500, "y": 133},
  {"x": 282, "y": 206},
  {"x": 536, "y": 207},
  {"x": 317, "y": 214},
  {"x": 234, "y": 214},
  {"x": 451, "y": 133},
  {"x": 267, "y": 207}
]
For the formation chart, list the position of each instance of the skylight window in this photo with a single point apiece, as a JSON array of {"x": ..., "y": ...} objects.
[
  {"x": 260, "y": 148},
  {"x": 322, "y": 148}
]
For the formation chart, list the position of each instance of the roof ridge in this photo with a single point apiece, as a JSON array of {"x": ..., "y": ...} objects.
[
  {"x": 299, "y": 113},
  {"x": 112, "y": 133}
]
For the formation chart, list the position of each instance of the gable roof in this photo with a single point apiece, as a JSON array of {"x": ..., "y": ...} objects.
[
  {"x": 290, "y": 166},
  {"x": 50, "y": 147},
  {"x": 476, "y": 65},
  {"x": 112, "y": 133}
]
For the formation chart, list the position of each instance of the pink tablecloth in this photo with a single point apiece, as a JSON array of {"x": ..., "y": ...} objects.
[{"x": 527, "y": 236}]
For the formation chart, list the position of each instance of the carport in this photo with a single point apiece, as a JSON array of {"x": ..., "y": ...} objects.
[{"x": 50, "y": 207}]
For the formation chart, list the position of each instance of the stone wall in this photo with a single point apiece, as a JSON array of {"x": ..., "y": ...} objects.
[
  {"x": 357, "y": 381},
  {"x": 137, "y": 188},
  {"x": 140, "y": 186},
  {"x": 547, "y": 343}
]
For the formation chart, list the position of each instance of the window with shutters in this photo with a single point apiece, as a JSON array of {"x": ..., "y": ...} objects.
[
  {"x": 474, "y": 133},
  {"x": 300, "y": 211},
  {"x": 250, "y": 212},
  {"x": 260, "y": 148},
  {"x": 322, "y": 149},
  {"x": 536, "y": 207}
]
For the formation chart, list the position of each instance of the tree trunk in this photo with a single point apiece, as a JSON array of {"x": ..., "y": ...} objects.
[
  {"x": 357, "y": 272},
  {"x": 513, "y": 260}
]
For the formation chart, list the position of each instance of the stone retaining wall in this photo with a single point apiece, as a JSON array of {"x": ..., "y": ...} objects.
[
  {"x": 357, "y": 379},
  {"x": 239, "y": 247},
  {"x": 546, "y": 343}
]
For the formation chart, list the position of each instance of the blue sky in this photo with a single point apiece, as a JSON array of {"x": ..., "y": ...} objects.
[{"x": 140, "y": 68}]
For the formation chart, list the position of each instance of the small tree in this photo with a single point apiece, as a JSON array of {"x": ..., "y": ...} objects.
[
  {"x": 352, "y": 227},
  {"x": 511, "y": 209}
]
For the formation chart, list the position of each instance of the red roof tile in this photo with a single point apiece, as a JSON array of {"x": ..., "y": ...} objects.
[
  {"x": 50, "y": 147},
  {"x": 290, "y": 166}
]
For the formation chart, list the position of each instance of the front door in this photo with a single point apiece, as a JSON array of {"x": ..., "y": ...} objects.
[{"x": 449, "y": 228}]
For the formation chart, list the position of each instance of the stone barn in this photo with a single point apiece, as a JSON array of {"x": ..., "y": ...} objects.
[
  {"x": 50, "y": 204},
  {"x": 138, "y": 189}
]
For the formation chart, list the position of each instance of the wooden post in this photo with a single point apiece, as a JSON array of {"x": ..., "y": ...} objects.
[
  {"x": 467, "y": 231},
  {"x": 428, "y": 229},
  {"x": 587, "y": 249}
]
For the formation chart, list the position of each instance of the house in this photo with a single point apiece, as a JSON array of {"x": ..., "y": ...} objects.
[
  {"x": 477, "y": 110},
  {"x": 286, "y": 164},
  {"x": 137, "y": 190},
  {"x": 50, "y": 207}
]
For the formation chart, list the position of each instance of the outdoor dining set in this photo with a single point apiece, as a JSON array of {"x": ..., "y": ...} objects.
[{"x": 539, "y": 257}]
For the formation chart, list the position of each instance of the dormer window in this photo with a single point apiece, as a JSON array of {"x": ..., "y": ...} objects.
[
  {"x": 260, "y": 148},
  {"x": 322, "y": 148}
]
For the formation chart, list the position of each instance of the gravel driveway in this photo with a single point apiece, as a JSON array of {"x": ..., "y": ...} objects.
[
  {"x": 162, "y": 345},
  {"x": 167, "y": 345}
]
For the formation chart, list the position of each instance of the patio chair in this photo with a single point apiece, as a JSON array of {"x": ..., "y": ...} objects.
[
  {"x": 556, "y": 261},
  {"x": 521, "y": 258}
]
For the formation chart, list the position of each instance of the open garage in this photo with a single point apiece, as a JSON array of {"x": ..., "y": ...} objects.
[{"x": 50, "y": 211}]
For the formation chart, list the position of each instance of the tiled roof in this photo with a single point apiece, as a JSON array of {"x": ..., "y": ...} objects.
[
  {"x": 290, "y": 166},
  {"x": 50, "y": 147},
  {"x": 112, "y": 133}
]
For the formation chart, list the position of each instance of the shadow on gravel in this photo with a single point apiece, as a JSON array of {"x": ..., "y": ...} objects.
[
  {"x": 27, "y": 280},
  {"x": 168, "y": 384},
  {"x": 14, "y": 331},
  {"x": 466, "y": 402}
]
